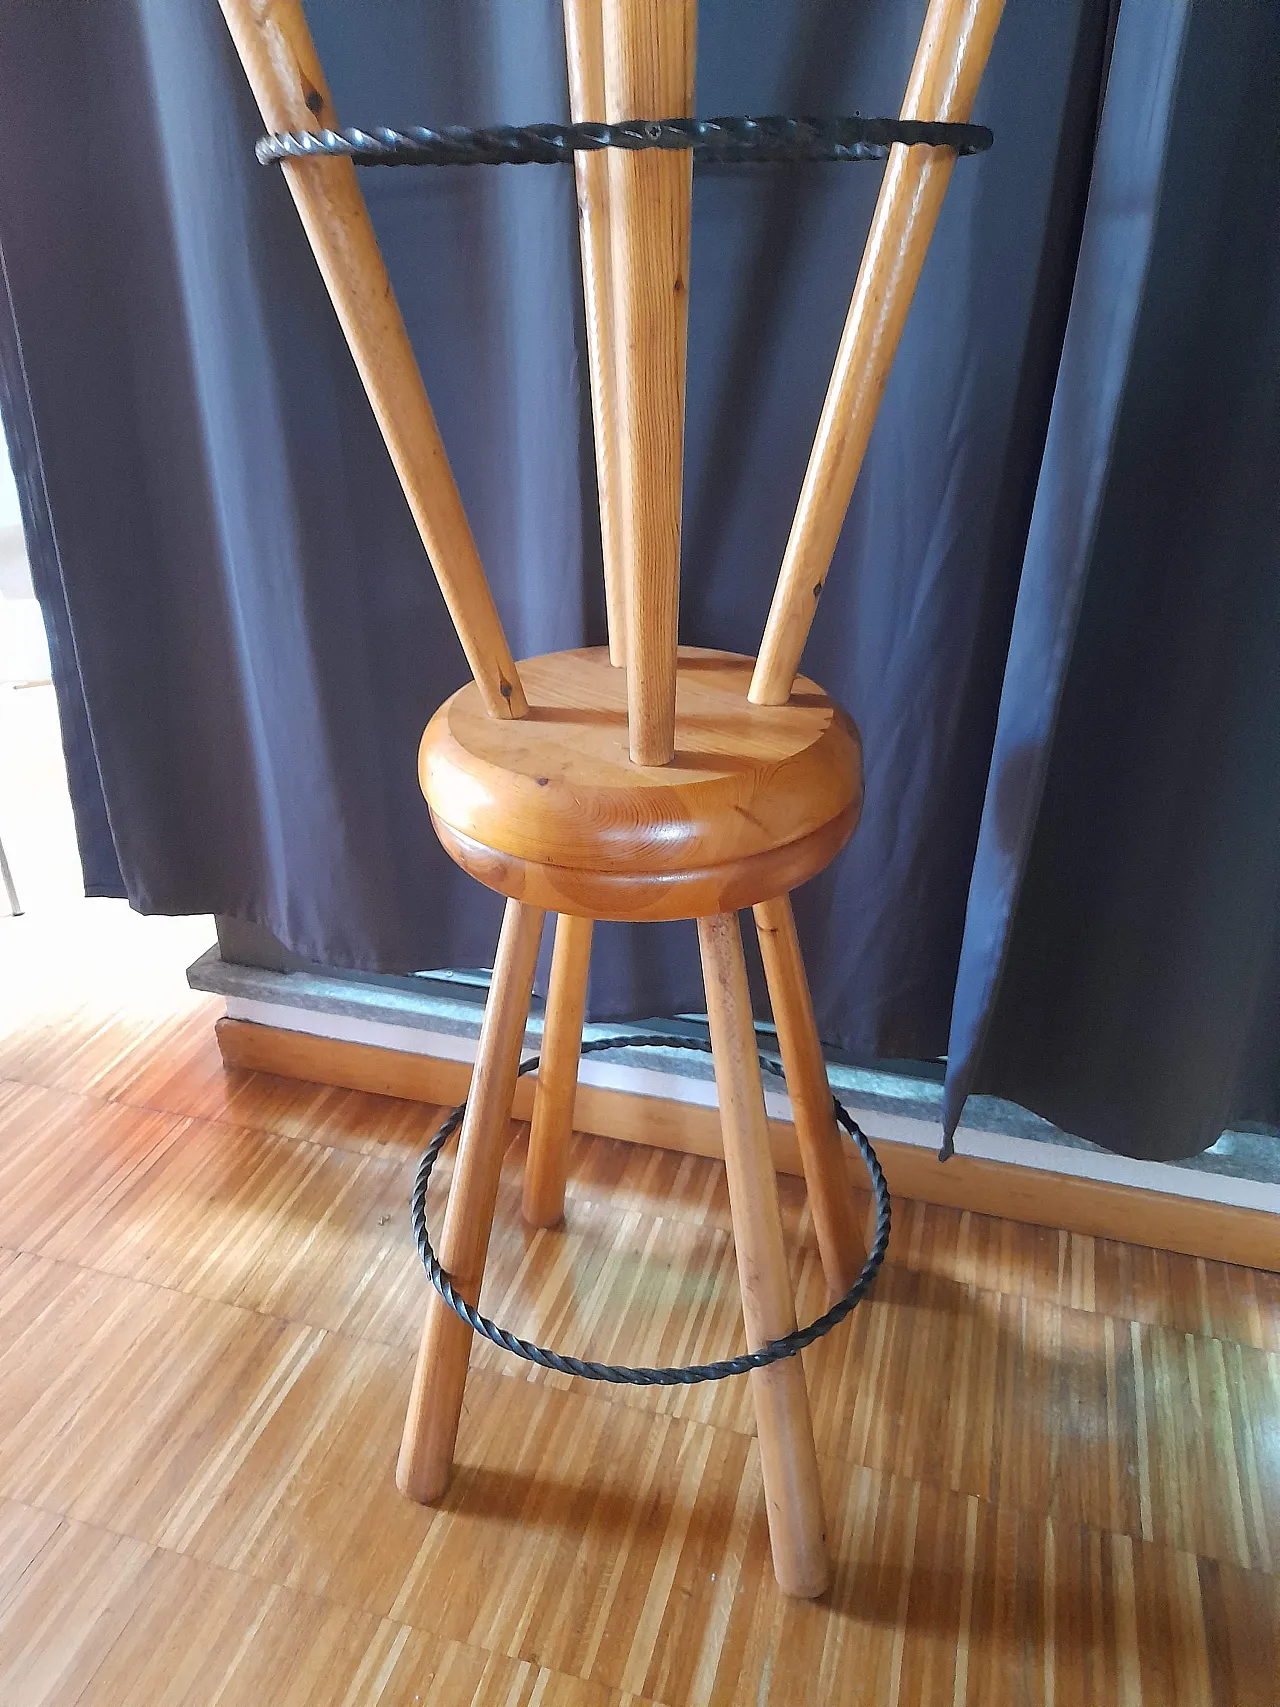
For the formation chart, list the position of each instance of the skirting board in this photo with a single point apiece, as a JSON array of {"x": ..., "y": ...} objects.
[{"x": 1103, "y": 1209}]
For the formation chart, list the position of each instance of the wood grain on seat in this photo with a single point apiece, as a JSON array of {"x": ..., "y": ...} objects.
[{"x": 557, "y": 791}]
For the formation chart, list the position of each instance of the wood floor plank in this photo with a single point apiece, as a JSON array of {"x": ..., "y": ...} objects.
[
  {"x": 116, "y": 1396},
  {"x": 587, "y": 1538},
  {"x": 1162, "y": 1288},
  {"x": 65, "y": 1611},
  {"x": 142, "y": 1627},
  {"x": 291, "y": 1229},
  {"x": 60, "y": 1152},
  {"x": 976, "y": 1391},
  {"x": 188, "y": 1077},
  {"x": 550, "y": 1556},
  {"x": 97, "y": 1047},
  {"x": 24, "y": 1532}
]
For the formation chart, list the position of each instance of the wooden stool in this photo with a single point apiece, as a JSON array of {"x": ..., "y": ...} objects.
[{"x": 646, "y": 780}]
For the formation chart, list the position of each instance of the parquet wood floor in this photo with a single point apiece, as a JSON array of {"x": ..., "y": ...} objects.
[{"x": 1051, "y": 1463}]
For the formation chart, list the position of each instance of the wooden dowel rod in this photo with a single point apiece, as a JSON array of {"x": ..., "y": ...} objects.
[
  {"x": 584, "y": 45},
  {"x": 784, "y": 1425},
  {"x": 435, "y": 1403},
  {"x": 649, "y": 66},
  {"x": 279, "y": 59},
  {"x": 949, "y": 63},
  {"x": 546, "y": 1167},
  {"x": 832, "y": 1202}
]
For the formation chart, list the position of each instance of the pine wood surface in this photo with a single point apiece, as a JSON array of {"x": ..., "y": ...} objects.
[
  {"x": 559, "y": 785},
  {"x": 784, "y": 1422},
  {"x": 279, "y": 58},
  {"x": 649, "y": 53},
  {"x": 952, "y": 54},
  {"x": 1050, "y": 1463},
  {"x": 647, "y": 895},
  {"x": 827, "y": 1172},
  {"x": 584, "y": 55},
  {"x": 435, "y": 1403},
  {"x": 551, "y": 809},
  {"x": 551, "y": 1127}
]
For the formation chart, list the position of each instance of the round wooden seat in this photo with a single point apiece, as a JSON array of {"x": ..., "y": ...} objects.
[{"x": 549, "y": 808}]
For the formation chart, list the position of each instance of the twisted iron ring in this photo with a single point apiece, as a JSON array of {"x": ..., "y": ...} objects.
[
  {"x": 619, "y": 1373},
  {"x": 714, "y": 141}
]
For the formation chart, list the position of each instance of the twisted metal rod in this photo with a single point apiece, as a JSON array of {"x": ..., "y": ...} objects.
[{"x": 713, "y": 141}]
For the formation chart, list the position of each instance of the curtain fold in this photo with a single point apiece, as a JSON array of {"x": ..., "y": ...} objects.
[
  {"x": 1119, "y": 971},
  {"x": 248, "y": 640},
  {"x": 1111, "y": 274}
]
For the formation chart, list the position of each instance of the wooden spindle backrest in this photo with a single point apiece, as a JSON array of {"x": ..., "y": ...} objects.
[
  {"x": 584, "y": 50},
  {"x": 627, "y": 59},
  {"x": 279, "y": 59},
  {"x": 952, "y": 54},
  {"x": 649, "y": 48}
]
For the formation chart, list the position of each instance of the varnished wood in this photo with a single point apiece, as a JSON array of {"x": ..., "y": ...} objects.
[
  {"x": 648, "y": 896},
  {"x": 952, "y": 55},
  {"x": 551, "y": 1130},
  {"x": 558, "y": 788},
  {"x": 279, "y": 59},
  {"x": 1045, "y": 1457},
  {"x": 584, "y": 45},
  {"x": 826, "y": 1168},
  {"x": 649, "y": 72},
  {"x": 435, "y": 1404},
  {"x": 788, "y": 1459},
  {"x": 1034, "y": 1197}
]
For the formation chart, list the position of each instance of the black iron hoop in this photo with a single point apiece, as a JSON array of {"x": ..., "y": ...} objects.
[
  {"x": 620, "y": 1373},
  {"x": 717, "y": 141}
]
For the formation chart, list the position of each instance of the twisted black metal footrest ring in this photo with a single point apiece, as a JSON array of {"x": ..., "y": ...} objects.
[
  {"x": 718, "y": 141},
  {"x": 621, "y": 1374}
]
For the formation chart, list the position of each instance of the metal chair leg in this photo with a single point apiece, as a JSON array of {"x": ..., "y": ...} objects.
[{"x": 10, "y": 889}]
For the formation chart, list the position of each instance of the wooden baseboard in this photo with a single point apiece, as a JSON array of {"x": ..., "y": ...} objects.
[{"x": 1220, "y": 1232}]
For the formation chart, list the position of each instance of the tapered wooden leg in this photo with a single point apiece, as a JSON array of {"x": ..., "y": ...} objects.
[
  {"x": 788, "y": 1459},
  {"x": 584, "y": 44},
  {"x": 826, "y": 1169},
  {"x": 547, "y": 1167},
  {"x": 649, "y": 52},
  {"x": 431, "y": 1426}
]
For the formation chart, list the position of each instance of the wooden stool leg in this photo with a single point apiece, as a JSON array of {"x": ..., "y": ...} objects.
[
  {"x": 547, "y": 1167},
  {"x": 431, "y": 1426},
  {"x": 788, "y": 1459},
  {"x": 826, "y": 1169}
]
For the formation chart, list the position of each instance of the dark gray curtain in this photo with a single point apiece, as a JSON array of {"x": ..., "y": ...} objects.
[
  {"x": 248, "y": 641},
  {"x": 1121, "y": 964}
]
